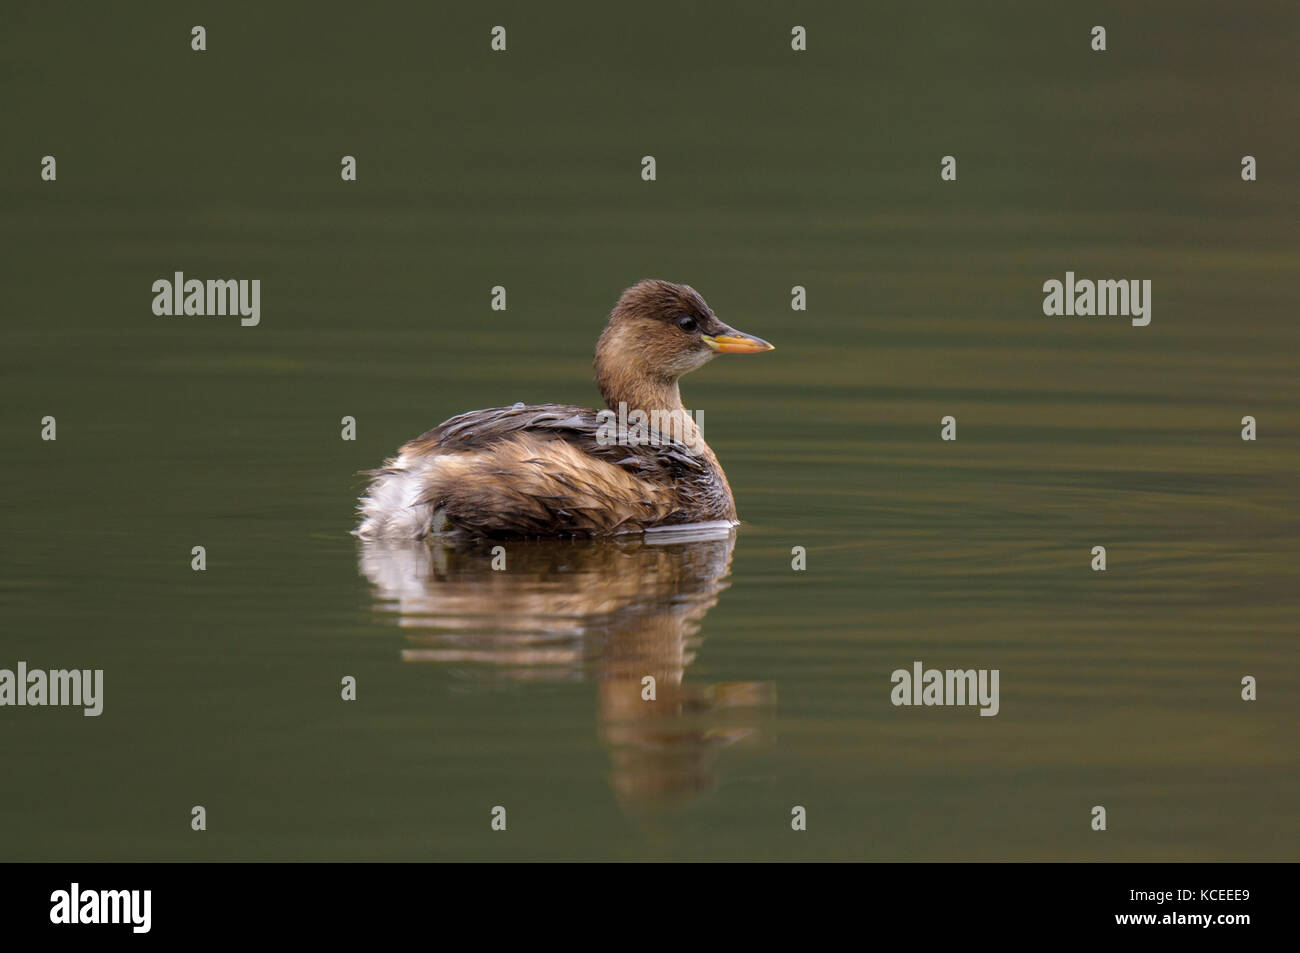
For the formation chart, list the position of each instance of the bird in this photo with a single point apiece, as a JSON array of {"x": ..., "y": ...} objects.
[{"x": 557, "y": 470}]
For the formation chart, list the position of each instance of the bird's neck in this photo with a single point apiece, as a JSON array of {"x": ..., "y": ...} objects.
[
  {"x": 640, "y": 393},
  {"x": 661, "y": 401}
]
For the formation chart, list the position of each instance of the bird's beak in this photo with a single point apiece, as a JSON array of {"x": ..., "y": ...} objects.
[{"x": 731, "y": 341}]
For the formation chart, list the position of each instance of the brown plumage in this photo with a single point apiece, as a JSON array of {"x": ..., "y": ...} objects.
[{"x": 558, "y": 470}]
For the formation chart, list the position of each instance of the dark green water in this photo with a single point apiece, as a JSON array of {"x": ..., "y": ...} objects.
[{"x": 775, "y": 169}]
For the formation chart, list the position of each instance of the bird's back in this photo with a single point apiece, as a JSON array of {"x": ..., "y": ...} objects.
[{"x": 540, "y": 470}]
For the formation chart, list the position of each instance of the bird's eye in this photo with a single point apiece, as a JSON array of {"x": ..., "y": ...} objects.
[{"x": 688, "y": 324}]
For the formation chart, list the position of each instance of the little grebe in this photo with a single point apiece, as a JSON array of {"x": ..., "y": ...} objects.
[{"x": 558, "y": 470}]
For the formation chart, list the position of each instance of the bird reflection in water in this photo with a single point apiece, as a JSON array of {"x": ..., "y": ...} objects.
[{"x": 613, "y": 610}]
